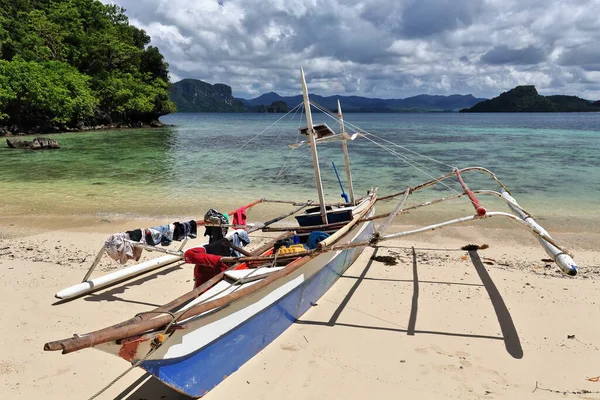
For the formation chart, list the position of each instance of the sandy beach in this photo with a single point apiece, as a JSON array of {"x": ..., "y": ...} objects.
[{"x": 442, "y": 323}]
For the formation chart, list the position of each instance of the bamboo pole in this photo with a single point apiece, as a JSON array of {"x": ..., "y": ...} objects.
[
  {"x": 94, "y": 264},
  {"x": 272, "y": 221},
  {"x": 313, "y": 147},
  {"x": 437, "y": 180},
  {"x": 478, "y": 208},
  {"x": 342, "y": 231},
  {"x": 294, "y": 203},
  {"x": 391, "y": 216},
  {"x": 345, "y": 150},
  {"x": 173, "y": 305},
  {"x": 92, "y": 339}
]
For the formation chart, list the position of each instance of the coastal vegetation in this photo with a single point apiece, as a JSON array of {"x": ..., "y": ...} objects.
[
  {"x": 76, "y": 64},
  {"x": 527, "y": 99}
]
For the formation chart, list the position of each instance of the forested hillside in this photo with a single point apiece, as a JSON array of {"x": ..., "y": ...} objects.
[
  {"x": 527, "y": 99},
  {"x": 193, "y": 95},
  {"x": 72, "y": 64}
]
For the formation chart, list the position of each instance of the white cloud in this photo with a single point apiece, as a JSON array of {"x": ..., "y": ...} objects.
[{"x": 378, "y": 48}]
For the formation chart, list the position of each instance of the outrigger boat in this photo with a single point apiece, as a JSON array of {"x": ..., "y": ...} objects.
[{"x": 196, "y": 340}]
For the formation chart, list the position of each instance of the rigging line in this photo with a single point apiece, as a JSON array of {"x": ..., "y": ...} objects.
[
  {"x": 296, "y": 140},
  {"x": 406, "y": 159},
  {"x": 288, "y": 168},
  {"x": 334, "y": 116},
  {"x": 409, "y": 150},
  {"x": 411, "y": 164},
  {"x": 202, "y": 175}
]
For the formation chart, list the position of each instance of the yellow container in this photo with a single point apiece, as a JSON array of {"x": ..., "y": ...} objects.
[{"x": 295, "y": 248}]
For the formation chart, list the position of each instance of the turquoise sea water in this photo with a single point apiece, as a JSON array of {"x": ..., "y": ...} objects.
[{"x": 550, "y": 162}]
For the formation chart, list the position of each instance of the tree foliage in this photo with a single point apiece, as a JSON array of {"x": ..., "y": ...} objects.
[
  {"x": 527, "y": 99},
  {"x": 70, "y": 62}
]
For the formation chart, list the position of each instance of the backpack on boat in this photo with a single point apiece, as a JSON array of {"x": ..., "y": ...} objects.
[{"x": 215, "y": 233}]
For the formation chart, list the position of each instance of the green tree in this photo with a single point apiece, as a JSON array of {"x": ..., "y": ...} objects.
[
  {"x": 68, "y": 61},
  {"x": 49, "y": 93}
]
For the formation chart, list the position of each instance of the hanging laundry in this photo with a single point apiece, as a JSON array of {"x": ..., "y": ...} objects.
[
  {"x": 135, "y": 235},
  {"x": 239, "y": 216},
  {"x": 185, "y": 229},
  {"x": 215, "y": 233},
  {"x": 207, "y": 265},
  {"x": 219, "y": 247},
  {"x": 119, "y": 248},
  {"x": 240, "y": 239},
  {"x": 162, "y": 234}
]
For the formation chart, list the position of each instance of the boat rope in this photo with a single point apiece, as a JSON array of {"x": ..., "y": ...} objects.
[
  {"x": 297, "y": 136},
  {"x": 335, "y": 117},
  {"x": 412, "y": 164},
  {"x": 217, "y": 164},
  {"x": 284, "y": 172},
  {"x": 140, "y": 361},
  {"x": 174, "y": 319},
  {"x": 415, "y": 164}
]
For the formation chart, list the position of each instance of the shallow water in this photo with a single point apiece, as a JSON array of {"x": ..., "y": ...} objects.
[{"x": 548, "y": 161}]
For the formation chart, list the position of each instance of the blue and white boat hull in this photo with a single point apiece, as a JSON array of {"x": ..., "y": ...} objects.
[{"x": 215, "y": 344}]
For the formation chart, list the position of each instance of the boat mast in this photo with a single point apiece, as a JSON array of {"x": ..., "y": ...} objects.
[
  {"x": 346, "y": 158},
  {"x": 313, "y": 147}
]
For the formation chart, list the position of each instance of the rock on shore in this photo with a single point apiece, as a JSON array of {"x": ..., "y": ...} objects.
[{"x": 39, "y": 143}]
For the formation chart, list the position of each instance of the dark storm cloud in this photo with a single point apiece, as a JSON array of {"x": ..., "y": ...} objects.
[
  {"x": 383, "y": 48},
  {"x": 427, "y": 17},
  {"x": 587, "y": 57},
  {"x": 501, "y": 55}
]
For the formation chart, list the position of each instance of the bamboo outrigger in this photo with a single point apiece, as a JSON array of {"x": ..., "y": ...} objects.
[{"x": 192, "y": 342}]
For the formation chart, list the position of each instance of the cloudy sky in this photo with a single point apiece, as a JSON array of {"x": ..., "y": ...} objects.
[{"x": 378, "y": 48}]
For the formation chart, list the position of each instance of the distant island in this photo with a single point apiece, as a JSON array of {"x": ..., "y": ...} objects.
[
  {"x": 527, "y": 99},
  {"x": 193, "y": 95}
]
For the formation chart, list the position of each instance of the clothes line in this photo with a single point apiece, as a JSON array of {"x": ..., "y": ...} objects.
[{"x": 120, "y": 246}]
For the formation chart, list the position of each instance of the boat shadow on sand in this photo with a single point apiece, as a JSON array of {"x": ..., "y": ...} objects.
[
  {"x": 149, "y": 387},
  {"x": 508, "y": 329}
]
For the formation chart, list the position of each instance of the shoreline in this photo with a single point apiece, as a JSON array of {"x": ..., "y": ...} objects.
[
  {"x": 6, "y": 132},
  {"x": 456, "y": 350}
]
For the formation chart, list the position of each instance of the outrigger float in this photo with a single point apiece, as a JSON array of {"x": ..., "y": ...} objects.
[{"x": 196, "y": 340}]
